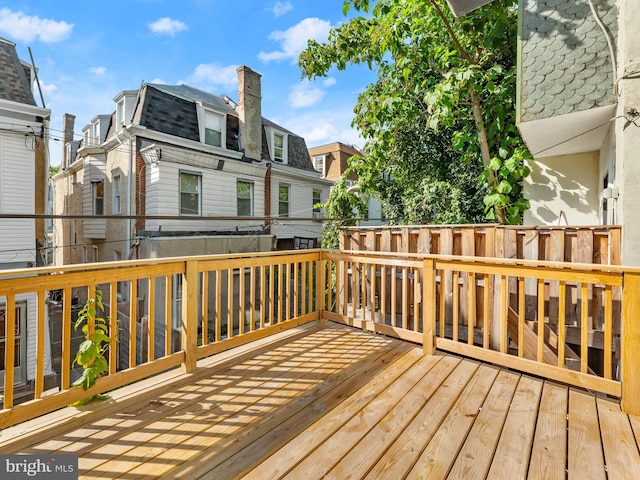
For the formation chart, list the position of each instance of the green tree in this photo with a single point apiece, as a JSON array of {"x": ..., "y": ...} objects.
[{"x": 442, "y": 111}]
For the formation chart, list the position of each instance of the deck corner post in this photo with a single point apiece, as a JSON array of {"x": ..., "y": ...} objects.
[
  {"x": 630, "y": 344},
  {"x": 190, "y": 315},
  {"x": 429, "y": 306}
]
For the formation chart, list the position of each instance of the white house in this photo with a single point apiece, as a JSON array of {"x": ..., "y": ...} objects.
[
  {"x": 199, "y": 172},
  {"x": 23, "y": 184}
]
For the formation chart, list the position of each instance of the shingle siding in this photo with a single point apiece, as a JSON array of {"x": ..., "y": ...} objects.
[
  {"x": 565, "y": 60},
  {"x": 14, "y": 84}
]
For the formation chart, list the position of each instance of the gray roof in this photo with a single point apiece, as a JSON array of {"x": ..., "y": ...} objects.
[
  {"x": 193, "y": 95},
  {"x": 565, "y": 60},
  {"x": 14, "y": 84},
  {"x": 171, "y": 109}
]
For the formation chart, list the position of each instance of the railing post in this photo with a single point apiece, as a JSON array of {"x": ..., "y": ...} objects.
[
  {"x": 429, "y": 306},
  {"x": 630, "y": 343},
  {"x": 190, "y": 315},
  {"x": 321, "y": 283}
]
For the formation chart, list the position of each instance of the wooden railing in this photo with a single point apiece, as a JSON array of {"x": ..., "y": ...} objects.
[
  {"x": 178, "y": 310},
  {"x": 509, "y": 312},
  {"x": 168, "y": 313}
]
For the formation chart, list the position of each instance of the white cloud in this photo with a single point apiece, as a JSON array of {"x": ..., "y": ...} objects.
[
  {"x": 167, "y": 26},
  {"x": 27, "y": 28},
  {"x": 294, "y": 40},
  {"x": 208, "y": 75},
  {"x": 98, "y": 70},
  {"x": 320, "y": 127},
  {"x": 328, "y": 82},
  {"x": 304, "y": 95},
  {"x": 280, "y": 8},
  {"x": 46, "y": 89}
]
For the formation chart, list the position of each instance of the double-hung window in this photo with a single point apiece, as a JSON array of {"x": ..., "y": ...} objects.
[
  {"x": 117, "y": 205},
  {"x": 283, "y": 200},
  {"x": 97, "y": 191},
  {"x": 212, "y": 126},
  {"x": 245, "y": 199},
  {"x": 278, "y": 147},
  {"x": 190, "y": 188},
  {"x": 319, "y": 164},
  {"x": 317, "y": 200}
]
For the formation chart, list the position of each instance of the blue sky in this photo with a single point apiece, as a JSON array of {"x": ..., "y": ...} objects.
[{"x": 87, "y": 52}]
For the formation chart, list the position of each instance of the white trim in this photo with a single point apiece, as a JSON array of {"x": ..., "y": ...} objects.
[
  {"x": 324, "y": 164},
  {"x": 172, "y": 140},
  {"x": 24, "y": 108},
  {"x": 202, "y": 111}
]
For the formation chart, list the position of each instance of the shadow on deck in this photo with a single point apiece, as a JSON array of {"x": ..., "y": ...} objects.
[{"x": 329, "y": 401}]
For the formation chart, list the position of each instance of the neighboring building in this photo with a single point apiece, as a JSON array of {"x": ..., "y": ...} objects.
[
  {"x": 578, "y": 105},
  {"x": 203, "y": 174},
  {"x": 331, "y": 161},
  {"x": 23, "y": 191}
]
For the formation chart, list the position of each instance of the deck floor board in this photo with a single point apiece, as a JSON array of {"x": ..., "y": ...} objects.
[{"x": 338, "y": 403}]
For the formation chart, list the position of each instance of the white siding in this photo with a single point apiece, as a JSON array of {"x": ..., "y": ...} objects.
[
  {"x": 17, "y": 195},
  {"x": 218, "y": 198},
  {"x": 300, "y": 206}
]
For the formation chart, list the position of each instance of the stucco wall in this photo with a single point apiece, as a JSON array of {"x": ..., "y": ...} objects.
[{"x": 563, "y": 190}]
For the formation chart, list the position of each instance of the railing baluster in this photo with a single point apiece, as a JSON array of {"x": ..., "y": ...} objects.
[
  {"x": 151, "y": 320},
  {"x": 442, "y": 305},
  {"x": 204, "y": 305},
  {"x": 230, "y": 274},
  {"x": 133, "y": 341},
  {"x": 218, "y": 315},
  {"x": 485, "y": 312},
  {"x": 40, "y": 316},
  {"x": 9, "y": 349},
  {"x": 113, "y": 327},
  {"x": 394, "y": 281},
  {"x": 168, "y": 308},
  {"x": 630, "y": 344},
  {"x": 405, "y": 297},
  {"x": 562, "y": 320},
  {"x": 263, "y": 294},
  {"x": 521, "y": 316},
  {"x": 252, "y": 298},
  {"x": 540, "y": 353},
  {"x": 471, "y": 317},
  {"x": 504, "y": 307},
  {"x": 65, "y": 374},
  {"x": 383, "y": 295},
  {"x": 456, "y": 304},
  {"x": 608, "y": 331},
  {"x": 429, "y": 306},
  {"x": 241, "y": 302},
  {"x": 584, "y": 329}
]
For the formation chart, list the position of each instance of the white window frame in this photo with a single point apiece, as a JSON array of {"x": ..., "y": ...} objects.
[
  {"x": 202, "y": 113},
  {"x": 95, "y": 199},
  {"x": 285, "y": 147},
  {"x": 322, "y": 159},
  {"x": 116, "y": 185},
  {"x": 199, "y": 192},
  {"x": 120, "y": 113},
  {"x": 238, "y": 198},
  {"x": 288, "y": 202}
]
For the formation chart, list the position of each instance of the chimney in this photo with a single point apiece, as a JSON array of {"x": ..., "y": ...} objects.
[
  {"x": 250, "y": 112},
  {"x": 68, "y": 122}
]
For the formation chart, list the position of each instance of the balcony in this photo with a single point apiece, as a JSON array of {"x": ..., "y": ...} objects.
[{"x": 340, "y": 365}]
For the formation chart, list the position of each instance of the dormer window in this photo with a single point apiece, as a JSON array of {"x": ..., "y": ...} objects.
[
  {"x": 319, "y": 164},
  {"x": 119, "y": 115},
  {"x": 212, "y": 127},
  {"x": 278, "y": 144}
]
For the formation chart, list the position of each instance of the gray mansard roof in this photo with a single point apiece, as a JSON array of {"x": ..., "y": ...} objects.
[
  {"x": 14, "y": 82},
  {"x": 565, "y": 61},
  {"x": 171, "y": 109}
]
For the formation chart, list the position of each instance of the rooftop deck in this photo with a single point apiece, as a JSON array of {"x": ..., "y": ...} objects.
[{"x": 329, "y": 401}]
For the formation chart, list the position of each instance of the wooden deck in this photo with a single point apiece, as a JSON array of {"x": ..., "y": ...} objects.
[{"x": 329, "y": 401}]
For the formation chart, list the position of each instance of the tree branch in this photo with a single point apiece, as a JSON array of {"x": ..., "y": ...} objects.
[{"x": 452, "y": 34}]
